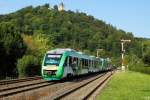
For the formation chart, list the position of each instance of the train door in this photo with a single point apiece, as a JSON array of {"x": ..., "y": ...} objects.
[{"x": 67, "y": 67}]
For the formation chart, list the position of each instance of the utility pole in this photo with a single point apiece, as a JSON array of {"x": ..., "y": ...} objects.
[
  {"x": 142, "y": 50},
  {"x": 122, "y": 52}
]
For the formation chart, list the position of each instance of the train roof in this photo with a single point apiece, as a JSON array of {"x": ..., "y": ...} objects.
[
  {"x": 83, "y": 56},
  {"x": 70, "y": 52},
  {"x": 60, "y": 51}
]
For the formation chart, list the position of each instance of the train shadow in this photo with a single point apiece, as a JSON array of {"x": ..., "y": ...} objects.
[{"x": 78, "y": 78}]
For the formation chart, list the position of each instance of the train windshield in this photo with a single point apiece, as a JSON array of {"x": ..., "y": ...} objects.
[{"x": 52, "y": 59}]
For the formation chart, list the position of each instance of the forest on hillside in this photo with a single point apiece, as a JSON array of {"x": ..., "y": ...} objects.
[{"x": 25, "y": 35}]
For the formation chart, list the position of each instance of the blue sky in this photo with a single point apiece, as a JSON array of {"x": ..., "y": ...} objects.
[{"x": 129, "y": 15}]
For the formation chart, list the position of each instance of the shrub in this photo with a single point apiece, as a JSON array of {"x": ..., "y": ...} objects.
[
  {"x": 28, "y": 66},
  {"x": 136, "y": 64},
  {"x": 146, "y": 58}
]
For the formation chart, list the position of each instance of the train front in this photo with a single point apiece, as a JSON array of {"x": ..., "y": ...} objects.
[{"x": 51, "y": 69}]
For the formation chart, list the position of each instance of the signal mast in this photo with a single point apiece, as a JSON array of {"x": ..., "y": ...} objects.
[{"x": 122, "y": 52}]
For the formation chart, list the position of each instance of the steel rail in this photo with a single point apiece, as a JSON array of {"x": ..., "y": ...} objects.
[
  {"x": 4, "y": 82},
  {"x": 58, "y": 96},
  {"x": 24, "y": 89}
]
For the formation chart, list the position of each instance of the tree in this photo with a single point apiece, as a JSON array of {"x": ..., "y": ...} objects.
[
  {"x": 12, "y": 48},
  {"x": 56, "y": 7},
  {"x": 37, "y": 44}
]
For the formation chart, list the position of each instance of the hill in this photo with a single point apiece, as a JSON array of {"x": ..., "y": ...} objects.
[{"x": 31, "y": 31}]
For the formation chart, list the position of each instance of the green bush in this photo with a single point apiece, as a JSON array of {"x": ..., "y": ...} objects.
[
  {"x": 146, "y": 58},
  {"x": 141, "y": 69},
  {"x": 28, "y": 66},
  {"x": 136, "y": 64}
]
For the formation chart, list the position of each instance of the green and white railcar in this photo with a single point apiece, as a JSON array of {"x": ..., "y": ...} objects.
[{"x": 60, "y": 63}]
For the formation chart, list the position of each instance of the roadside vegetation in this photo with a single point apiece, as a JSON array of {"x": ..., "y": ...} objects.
[
  {"x": 127, "y": 86},
  {"x": 31, "y": 31}
]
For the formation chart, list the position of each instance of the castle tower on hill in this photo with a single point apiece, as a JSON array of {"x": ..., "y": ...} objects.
[{"x": 61, "y": 7}]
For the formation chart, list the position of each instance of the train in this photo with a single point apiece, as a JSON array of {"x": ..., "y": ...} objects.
[{"x": 61, "y": 63}]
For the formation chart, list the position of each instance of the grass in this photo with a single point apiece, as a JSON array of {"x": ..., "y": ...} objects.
[{"x": 127, "y": 86}]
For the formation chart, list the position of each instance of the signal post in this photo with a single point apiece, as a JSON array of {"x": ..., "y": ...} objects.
[{"x": 122, "y": 52}]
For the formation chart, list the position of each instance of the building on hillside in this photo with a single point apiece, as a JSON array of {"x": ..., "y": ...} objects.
[{"x": 61, "y": 7}]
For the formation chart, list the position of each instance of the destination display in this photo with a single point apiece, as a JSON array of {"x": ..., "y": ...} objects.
[{"x": 54, "y": 56}]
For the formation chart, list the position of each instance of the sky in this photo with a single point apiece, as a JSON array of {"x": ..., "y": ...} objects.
[{"x": 129, "y": 15}]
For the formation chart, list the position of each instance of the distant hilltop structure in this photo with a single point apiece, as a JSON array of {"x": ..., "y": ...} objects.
[{"x": 61, "y": 7}]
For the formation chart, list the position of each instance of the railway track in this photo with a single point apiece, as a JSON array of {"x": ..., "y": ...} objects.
[
  {"x": 4, "y": 82},
  {"x": 40, "y": 89},
  {"x": 82, "y": 90},
  {"x": 11, "y": 90}
]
